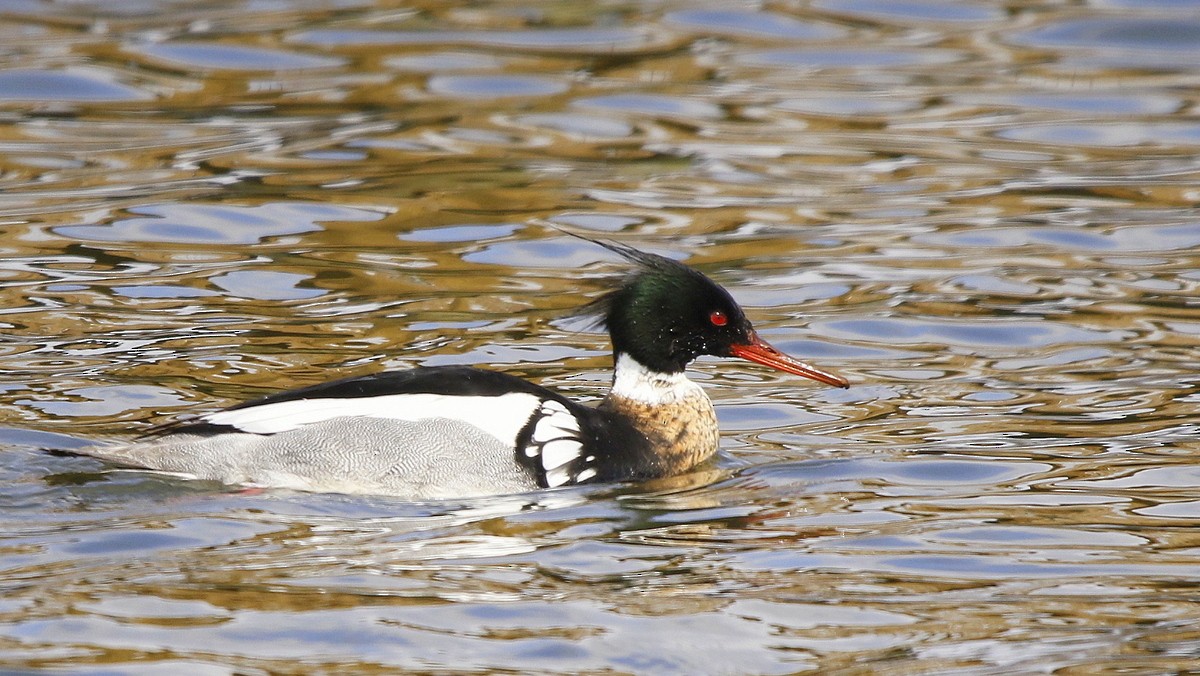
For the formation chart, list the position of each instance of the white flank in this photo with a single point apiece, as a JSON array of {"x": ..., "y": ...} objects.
[
  {"x": 501, "y": 416},
  {"x": 633, "y": 381}
]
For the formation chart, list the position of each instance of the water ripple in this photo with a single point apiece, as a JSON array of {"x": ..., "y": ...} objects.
[{"x": 983, "y": 215}]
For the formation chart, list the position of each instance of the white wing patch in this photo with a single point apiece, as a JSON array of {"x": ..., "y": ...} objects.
[
  {"x": 555, "y": 442},
  {"x": 502, "y": 416}
]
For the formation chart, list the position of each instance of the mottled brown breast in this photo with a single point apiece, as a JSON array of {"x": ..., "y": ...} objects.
[{"x": 684, "y": 432}]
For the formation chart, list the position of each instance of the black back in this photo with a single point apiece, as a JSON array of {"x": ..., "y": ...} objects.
[{"x": 461, "y": 381}]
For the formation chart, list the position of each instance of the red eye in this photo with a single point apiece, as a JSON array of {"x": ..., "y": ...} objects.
[{"x": 718, "y": 318}]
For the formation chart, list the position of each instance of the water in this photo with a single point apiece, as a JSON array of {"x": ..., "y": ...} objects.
[{"x": 983, "y": 213}]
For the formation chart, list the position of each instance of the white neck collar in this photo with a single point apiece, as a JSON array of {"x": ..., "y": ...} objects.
[{"x": 632, "y": 380}]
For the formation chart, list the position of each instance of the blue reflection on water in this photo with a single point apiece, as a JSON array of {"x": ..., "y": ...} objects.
[
  {"x": 915, "y": 10},
  {"x": 1133, "y": 238},
  {"x": 849, "y": 58},
  {"x": 106, "y": 400},
  {"x": 489, "y": 86},
  {"x": 597, "y": 39},
  {"x": 1176, "y": 36},
  {"x": 216, "y": 223},
  {"x": 763, "y": 24},
  {"x": 912, "y": 471},
  {"x": 899, "y": 330},
  {"x": 467, "y": 232},
  {"x": 266, "y": 285},
  {"x": 228, "y": 57},
  {"x": 91, "y": 84},
  {"x": 653, "y": 104}
]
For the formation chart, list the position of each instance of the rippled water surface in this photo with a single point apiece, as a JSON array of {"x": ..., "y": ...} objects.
[{"x": 984, "y": 213}]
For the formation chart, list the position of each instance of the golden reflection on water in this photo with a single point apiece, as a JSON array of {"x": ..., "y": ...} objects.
[{"x": 984, "y": 212}]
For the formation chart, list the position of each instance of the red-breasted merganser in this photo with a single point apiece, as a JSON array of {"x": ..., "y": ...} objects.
[{"x": 455, "y": 431}]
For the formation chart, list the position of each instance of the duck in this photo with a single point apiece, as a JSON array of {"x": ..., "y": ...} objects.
[{"x": 448, "y": 432}]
